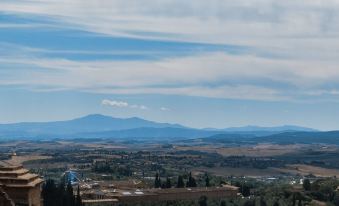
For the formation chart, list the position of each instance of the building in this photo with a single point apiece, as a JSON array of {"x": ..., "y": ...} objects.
[
  {"x": 19, "y": 186},
  {"x": 160, "y": 195},
  {"x": 108, "y": 197}
]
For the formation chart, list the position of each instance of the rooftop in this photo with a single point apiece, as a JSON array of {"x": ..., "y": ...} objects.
[
  {"x": 17, "y": 176},
  {"x": 146, "y": 192}
]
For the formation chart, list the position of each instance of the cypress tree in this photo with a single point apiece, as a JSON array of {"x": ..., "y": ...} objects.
[
  {"x": 157, "y": 181},
  {"x": 78, "y": 200},
  {"x": 70, "y": 200},
  {"x": 307, "y": 185},
  {"x": 180, "y": 183},
  {"x": 168, "y": 183},
  {"x": 207, "y": 181},
  {"x": 49, "y": 193},
  {"x": 61, "y": 193},
  {"x": 191, "y": 181}
]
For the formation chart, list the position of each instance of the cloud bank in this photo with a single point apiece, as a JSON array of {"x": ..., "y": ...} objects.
[
  {"x": 220, "y": 21},
  {"x": 215, "y": 75}
]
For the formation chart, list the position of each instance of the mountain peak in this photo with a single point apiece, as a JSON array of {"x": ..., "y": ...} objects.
[
  {"x": 136, "y": 118},
  {"x": 95, "y": 116},
  {"x": 98, "y": 117}
]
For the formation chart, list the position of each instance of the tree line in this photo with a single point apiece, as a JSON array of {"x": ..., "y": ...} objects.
[
  {"x": 60, "y": 195},
  {"x": 190, "y": 182}
]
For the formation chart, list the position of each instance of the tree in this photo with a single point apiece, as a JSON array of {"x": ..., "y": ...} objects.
[
  {"x": 249, "y": 203},
  {"x": 307, "y": 185},
  {"x": 49, "y": 193},
  {"x": 168, "y": 183},
  {"x": 203, "y": 201},
  {"x": 157, "y": 181},
  {"x": 180, "y": 183},
  {"x": 262, "y": 201},
  {"x": 61, "y": 195},
  {"x": 336, "y": 199},
  {"x": 70, "y": 200},
  {"x": 294, "y": 199},
  {"x": 299, "y": 203},
  {"x": 223, "y": 203},
  {"x": 245, "y": 189},
  {"x": 207, "y": 181},
  {"x": 78, "y": 200},
  {"x": 191, "y": 181}
]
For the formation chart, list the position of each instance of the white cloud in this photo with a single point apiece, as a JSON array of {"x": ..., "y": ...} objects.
[
  {"x": 165, "y": 109},
  {"x": 114, "y": 103},
  {"x": 122, "y": 104},
  {"x": 136, "y": 106}
]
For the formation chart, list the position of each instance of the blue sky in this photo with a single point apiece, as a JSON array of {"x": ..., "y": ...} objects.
[{"x": 199, "y": 63}]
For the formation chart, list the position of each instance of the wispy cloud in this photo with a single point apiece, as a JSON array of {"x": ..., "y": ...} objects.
[
  {"x": 213, "y": 21},
  {"x": 216, "y": 75},
  {"x": 294, "y": 45}
]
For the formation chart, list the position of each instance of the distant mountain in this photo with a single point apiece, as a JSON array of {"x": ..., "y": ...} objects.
[
  {"x": 88, "y": 124},
  {"x": 100, "y": 126},
  {"x": 266, "y": 129},
  {"x": 331, "y": 137}
]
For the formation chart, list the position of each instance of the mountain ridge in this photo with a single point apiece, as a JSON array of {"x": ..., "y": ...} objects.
[
  {"x": 106, "y": 126},
  {"x": 253, "y": 128}
]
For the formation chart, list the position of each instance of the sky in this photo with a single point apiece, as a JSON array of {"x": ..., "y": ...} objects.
[{"x": 216, "y": 63}]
